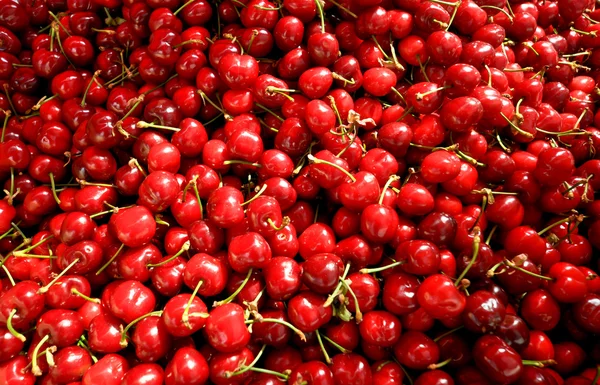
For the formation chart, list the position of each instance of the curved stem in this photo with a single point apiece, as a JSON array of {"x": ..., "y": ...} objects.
[
  {"x": 123, "y": 341},
  {"x": 281, "y": 322},
  {"x": 336, "y": 345},
  {"x": 259, "y": 193},
  {"x": 8, "y": 274},
  {"x": 103, "y": 267},
  {"x": 245, "y": 368},
  {"x": 325, "y": 354},
  {"x": 338, "y": 288},
  {"x": 440, "y": 364},
  {"x": 321, "y": 14},
  {"x": 11, "y": 328},
  {"x": 476, "y": 244},
  {"x": 285, "y": 221},
  {"x": 236, "y": 292},
  {"x": 340, "y": 6},
  {"x": 436, "y": 339},
  {"x": 185, "y": 247},
  {"x": 390, "y": 180},
  {"x": 515, "y": 127},
  {"x": 381, "y": 268},
  {"x": 270, "y": 111},
  {"x": 183, "y": 6},
  {"x": 80, "y": 294},
  {"x": 59, "y": 276},
  {"x": 87, "y": 89},
  {"x": 185, "y": 318},
  {"x": 358, "y": 314},
  {"x": 53, "y": 187},
  {"x": 519, "y": 268},
  {"x": 316, "y": 160},
  {"x": 553, "y": 225},
  {"x": 35, "y": 369}
]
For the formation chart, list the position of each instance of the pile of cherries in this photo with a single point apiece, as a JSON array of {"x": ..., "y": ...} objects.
[{"x": 301, "y": 192}]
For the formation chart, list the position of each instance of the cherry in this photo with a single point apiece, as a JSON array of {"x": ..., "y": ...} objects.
[
  {"x": 312, "y": 372},
  {"x": 416, "y": 351},
  {"x": 151, "y": 374},
  {"x": 497, "y": 360},
  {"x": 230, "y": 318},
  {"x": 307, "y": 312},
  {"x": 187, "y": 366},
  {"x": 439, "y": 297}
]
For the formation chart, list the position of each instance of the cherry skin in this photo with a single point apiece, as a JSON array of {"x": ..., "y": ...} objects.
[
  {"x": 230, "y": 318},
  {"x": 440, "y": 298},
  {"x": 416, "y": 351},
  {"x": 187, "y": 366}
]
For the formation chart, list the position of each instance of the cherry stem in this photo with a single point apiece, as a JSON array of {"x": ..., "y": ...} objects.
[
  {"x": 539, "y": 364},
  {"x": 381, "y": 268},
  {"x": 457, "y": 4},
  {"x": 205, "y": 98},
  {"x": 597, "y": 377},
  {"x": 270, "y": 111},
  {"x": 6, "y": 116},
  {"x": 584, "y": 53},
  {"x": 517, "y": 128},
  {"x": 553, "y": 225},
  {"x": 385, "y": 55},
  {"x": 53, "y": 186},
  {"x": 436, "y": 339},
  {"x": 321, "y": 14},
  {"x": 35, "y": 369},
  {"x": 59, "y": 276},
  {"x": 185, "y": 247},
  {"x": 281, "y": 91},
  {"x": 185, "y": 317},
  {"x": 338, "y": 288},
  {"x": 138, "y": 101},
  {"x": 28, "y": 249},
  {"x": 390, "y": 180},
  {"x": 337, "y": 76},
  {"x": 340, "y": 6},
  {"x": 439, "y": 364},
  {"x": 87, "y": 89},
  {"x": 284, "y": 222},
  {"x": 358, "y": 314},
  {"x": 525, "y": 69},
  {"x": 325, "y": 354},
  {"x": 491, "y": 234},
  {"x": 183, "y": 6},
  {"x": 87, "y": 298},
  {"x": 420, "y": 96},
  {"x": 19, "y": 254},
  {"x": 236, "y": 161},
  {"x": 515, "y": 266},
  {"x": 313, "y": 159},
  {"x": 476, "y": 244},
  {"x": 57, "y": 20},
  {"x": 8, "y": 274},
  {"x": 335, "y": 109},
  {"x": 48, "y": 353},
  {"x": 280, "y": 322},
  {"x": 11, "y": 328},
  {"x": 336, "y": 345},
  {"x": 243, "y": 368},
  {"x": 236, "y": 292},
  {"x": 259, "y": 193},
  {"x": 115, "y": 255},
  {"x": 123, "y": 341},
  {"x": 510, "y": 18},
  {"x": 266, "y": 371}
]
